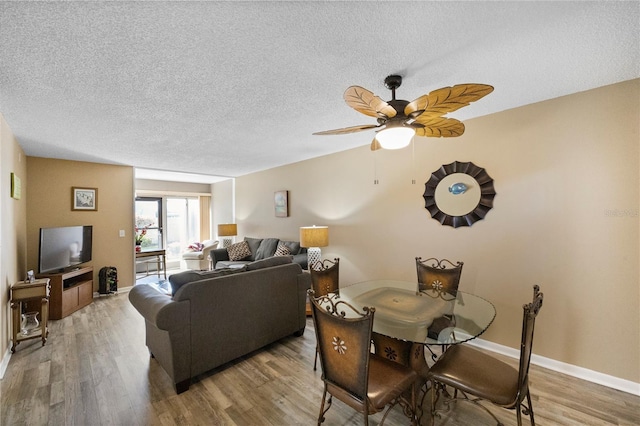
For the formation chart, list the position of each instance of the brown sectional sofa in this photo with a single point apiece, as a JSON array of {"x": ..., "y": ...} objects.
[{"x": 215, "y": 317}]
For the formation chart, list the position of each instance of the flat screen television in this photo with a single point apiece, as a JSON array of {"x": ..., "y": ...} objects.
[{"x": 63, "y": 248}]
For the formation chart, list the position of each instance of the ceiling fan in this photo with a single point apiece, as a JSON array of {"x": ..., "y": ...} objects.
[{"x": 399, "y": 120}]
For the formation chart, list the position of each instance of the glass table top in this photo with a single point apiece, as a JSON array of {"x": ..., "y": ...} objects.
[{"x": 427, "y": 317}]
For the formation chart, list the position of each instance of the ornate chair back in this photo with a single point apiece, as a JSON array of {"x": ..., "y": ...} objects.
[
  {"x": 344, "y": 345},
  {"x": 324, "y": 280},
  {"x": 364, "y": 381},
  {"x": 325, "y": 277},
  {"x": 442, "y": 276}
]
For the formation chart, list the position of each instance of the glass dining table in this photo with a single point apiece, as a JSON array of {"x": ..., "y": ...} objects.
[
  {"x": 427, "y": 317},
  {"x": 414, "y": 319}
]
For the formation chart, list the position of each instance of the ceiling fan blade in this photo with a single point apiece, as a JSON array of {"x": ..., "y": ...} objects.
[
  {"x": 375, "y": 145},
  {"x": 364, "y": 101},
  {"x": 439, "y": 127},
  {"x": 345, "y": 130},
  {"x": 448, "y": 99}
]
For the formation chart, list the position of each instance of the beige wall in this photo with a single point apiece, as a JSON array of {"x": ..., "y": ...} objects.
[
  {"x": 223, "y": 208},
  {"x": 13, "y": 228},
  {"x": 565, "y": 217},
  {"x": 157, "y": 188},
  {"x": 49, "y": 200}
]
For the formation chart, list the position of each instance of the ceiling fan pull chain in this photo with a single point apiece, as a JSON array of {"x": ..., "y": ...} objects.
[
  {"x": 413, "y": 160},
  {"x": 375, "y": 168}
]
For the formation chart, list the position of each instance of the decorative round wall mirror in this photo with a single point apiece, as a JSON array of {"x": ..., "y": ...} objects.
[{"x": 459, "y": 194}]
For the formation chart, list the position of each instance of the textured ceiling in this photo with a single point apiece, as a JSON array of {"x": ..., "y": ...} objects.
[{"x": 230, "y": 88}]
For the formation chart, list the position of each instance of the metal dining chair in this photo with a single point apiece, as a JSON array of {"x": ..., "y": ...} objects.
[
  {"x": 325, "y": 276},
  {"x": 441, "y": 279},
  {"x": 409, "y": 354},
  {"x": 441, "y": 276},
  {"x": 472, "y": 373},
  {"x": 324, "y": 280},
  {"x": 364, "y": 381}
]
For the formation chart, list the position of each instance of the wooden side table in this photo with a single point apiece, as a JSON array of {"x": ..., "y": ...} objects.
[
  {"x": 159, "y": 257},
  {"x": 30, "y": 291}
]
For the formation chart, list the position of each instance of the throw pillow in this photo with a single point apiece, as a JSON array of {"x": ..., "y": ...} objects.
[
  {"x": 196, "y": 246},
  {"x": 239, "y": 251},
  {"x": 294, "y": 246},
  {"x": 282, "y": 250},
  {"x": 267, "y": 248},
  {"x": 254, "y": 243}
]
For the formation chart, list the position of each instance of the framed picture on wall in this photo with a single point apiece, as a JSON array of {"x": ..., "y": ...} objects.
[
  {"x": 281, "y": 203},
  {"x": 84, "y": 198},
  {"x": 16, "y": 187}
]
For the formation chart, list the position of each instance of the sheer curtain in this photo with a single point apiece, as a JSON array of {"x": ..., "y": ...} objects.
[{"x": 205, "y": 217}]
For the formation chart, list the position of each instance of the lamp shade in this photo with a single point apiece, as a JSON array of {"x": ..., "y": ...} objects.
[
  {"x": 395, "y": 137},
  {"x": 227, "y": 230},
  {"x": 314, "y": 236}
]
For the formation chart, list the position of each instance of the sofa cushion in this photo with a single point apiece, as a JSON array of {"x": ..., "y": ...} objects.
[
  {"x": 239, "y": 251},
  {"x": 234, "y": 264},
  {"x": 254, "y": 243},
  {"x": 282, "y": 250},
  {"x": 267, "y": 248},
  {"x": 294, "y": 246},
  {"x": 302, "y": 260},
  {"x": 268, "y": 262},
  {"x": 182, "y": 278}
]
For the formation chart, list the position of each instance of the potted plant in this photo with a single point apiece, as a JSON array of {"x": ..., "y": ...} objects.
[{"x": 139, "y": 236}]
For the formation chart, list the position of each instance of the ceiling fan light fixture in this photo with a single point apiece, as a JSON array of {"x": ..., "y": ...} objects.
[{"x": 395, "y": 137}]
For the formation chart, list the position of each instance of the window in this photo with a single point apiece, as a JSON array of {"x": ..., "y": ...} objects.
[
  {"x": 149, "y": 216},
  {"x": 183, "y": 224}
]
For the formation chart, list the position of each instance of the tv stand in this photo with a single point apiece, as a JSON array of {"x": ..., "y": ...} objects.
[{"x": 70, "y": 291}]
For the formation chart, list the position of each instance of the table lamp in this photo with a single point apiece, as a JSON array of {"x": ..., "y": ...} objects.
[
  {"x": 227, "y": 230},
  {"x": 314, "y": 237}
]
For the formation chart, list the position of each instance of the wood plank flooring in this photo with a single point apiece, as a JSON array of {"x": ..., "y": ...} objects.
[{"x": 96, "y": 370}]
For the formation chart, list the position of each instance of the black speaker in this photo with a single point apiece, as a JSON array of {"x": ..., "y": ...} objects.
[{"x": 108, "y": 280}]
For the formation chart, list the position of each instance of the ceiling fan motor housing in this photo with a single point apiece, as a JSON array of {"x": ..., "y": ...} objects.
[
  {"x": 392, "y": 82},
  {"x": 399, "y": 105}
]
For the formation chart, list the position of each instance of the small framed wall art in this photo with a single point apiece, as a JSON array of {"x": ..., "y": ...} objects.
[
  {"x": 16, "y": 187},
  {"x": 281, "y": 203},
  {"x": 84, "y": 198}
]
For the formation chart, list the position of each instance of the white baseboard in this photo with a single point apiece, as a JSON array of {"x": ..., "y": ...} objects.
[
  {"x": 561, "y": 367},
  {"x": 5, "y": 360}
]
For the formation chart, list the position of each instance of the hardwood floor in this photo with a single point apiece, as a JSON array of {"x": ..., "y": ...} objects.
[{"x": 95, "y": 370}]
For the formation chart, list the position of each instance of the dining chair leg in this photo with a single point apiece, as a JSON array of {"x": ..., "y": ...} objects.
[
  {"x": 315, "y": 362},
  {"x": 432, "y": 406},
  {"x": 422, "y": 400},
  {"x": 323, "y": 410},
  {"x": 414, "y": 406},
  {"x": 530, "y": 408}
]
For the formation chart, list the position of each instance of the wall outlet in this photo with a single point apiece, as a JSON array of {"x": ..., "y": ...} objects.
[{"x": 122, "y": 232}]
